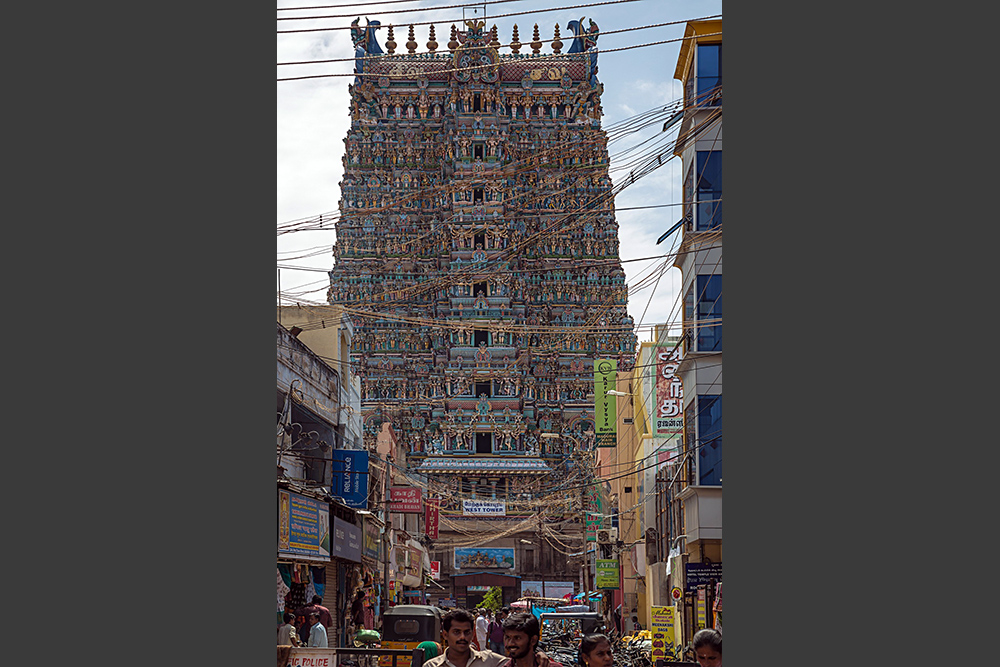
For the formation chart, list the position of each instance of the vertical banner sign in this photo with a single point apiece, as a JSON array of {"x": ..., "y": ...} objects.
[
  {"x": 669, "y": 391},
  {"x": 700, "y": 608},
  {"x": 605, "y": 407},
  {"x": 431, "y": 518},
  {"x": 607, "y": 574},
  {"x": 662, "y": 625},
  {"x": 435, "y": 570}
]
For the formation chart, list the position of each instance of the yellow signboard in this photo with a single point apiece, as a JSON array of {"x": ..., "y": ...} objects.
[{"x": 663, "y": 627}]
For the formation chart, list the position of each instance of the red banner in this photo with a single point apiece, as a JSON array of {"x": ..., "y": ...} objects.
[
  {"x": 431, "y": 518},
  {"x": 435, "y": 569},
  {"x": 405, "y": 499}
]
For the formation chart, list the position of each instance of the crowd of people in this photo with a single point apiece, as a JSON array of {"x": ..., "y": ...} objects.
[{"x": 504, "y": 639}]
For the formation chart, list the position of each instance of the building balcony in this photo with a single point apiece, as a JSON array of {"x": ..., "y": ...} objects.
[{"x": 702, "y": 512}]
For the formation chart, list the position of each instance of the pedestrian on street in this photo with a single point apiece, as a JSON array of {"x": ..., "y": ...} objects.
[
  {"x": 481, "y": 626},
  {"x": 286, "y": 632},
  {"x": 457, "y": 635},
  {"x": 494, "y": 632},
  {"x": 708, "y": 647},
  {"x": 521, "y": 632},
  {"x": 595, "y": 651},
  {"x": 636, "y": 625},
  {"x": 317, "y": 633},
  {"x": 325, "y": 617}
]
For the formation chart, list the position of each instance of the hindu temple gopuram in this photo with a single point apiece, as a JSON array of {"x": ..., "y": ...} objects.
[{"x": 477, "y": 255}]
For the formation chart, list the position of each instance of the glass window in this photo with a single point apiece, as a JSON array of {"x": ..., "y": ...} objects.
[
  {"x": 710, "y": 440},
  {"x": 709, "y": 63},
  {"x": 708, "y": 212},
  {"x": 709, "y": 309}
]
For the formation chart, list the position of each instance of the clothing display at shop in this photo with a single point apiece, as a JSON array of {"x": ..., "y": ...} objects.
[{"x": 283, "y": 590}]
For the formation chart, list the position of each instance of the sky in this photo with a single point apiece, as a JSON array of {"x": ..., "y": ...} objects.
[{"x": 314, "y": 117}]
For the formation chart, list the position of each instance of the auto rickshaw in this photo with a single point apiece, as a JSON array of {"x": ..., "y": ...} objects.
[{"x": 404, "y": 626}]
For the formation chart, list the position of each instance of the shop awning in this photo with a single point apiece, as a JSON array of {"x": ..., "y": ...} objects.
[{"x": 519, "y": 466}]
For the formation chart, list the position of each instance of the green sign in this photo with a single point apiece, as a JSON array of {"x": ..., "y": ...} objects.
[
  {"x": 607, "y": 573},
  {"x": 605, "y": 407}
]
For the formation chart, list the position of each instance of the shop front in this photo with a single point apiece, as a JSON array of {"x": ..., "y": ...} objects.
[
  {"x": 347, "y": 546},
  {"x": 304, "y": 565}
]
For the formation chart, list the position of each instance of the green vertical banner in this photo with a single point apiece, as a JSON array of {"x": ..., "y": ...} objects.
[{"x": 605, "y": 407}]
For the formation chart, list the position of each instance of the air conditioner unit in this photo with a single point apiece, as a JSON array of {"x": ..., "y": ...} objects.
[{"x": 607, "y": 535}]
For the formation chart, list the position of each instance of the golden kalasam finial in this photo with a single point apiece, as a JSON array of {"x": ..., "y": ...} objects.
[
  {"x": 515, "y": 45},
  {"x": 536, "y": 42}
]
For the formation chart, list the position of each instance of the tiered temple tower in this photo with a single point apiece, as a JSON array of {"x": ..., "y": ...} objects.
[{"x": 477, "y": 251}]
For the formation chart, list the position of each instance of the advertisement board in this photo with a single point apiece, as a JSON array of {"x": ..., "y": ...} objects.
[
  {"x": 558, "y": 589},
  {"x": 607, "y": 573},
  {"x": 500, "y": 559},
  {"x": 405, "y": 499},
  {"x": 484, "y": 508},
  {"x": 605, "y": 407},
  {"x": 701, "y": 574},
  {"x": 664, "y": 630},
  {"x": 531, "y": 589},
  {"x": 372, "y": 545},
  {"x": 350, "y": 477},
  {"x": 346, "y": 540},
  {"x": 303, "y": 525},
  {"x": 669, "y": 391},
  {"x": 436, "y": 570}
]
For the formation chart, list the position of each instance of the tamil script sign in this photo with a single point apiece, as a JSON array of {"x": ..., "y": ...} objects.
[
  {"x": 303, "y": 525},
  {"x": 663, "y": 627},
  {"x": 484, "y": 508},
  {"x": 605, "y": 407},
  {"x": 431, "y": 518},
  {"x": 607, "y": 573},
  {"x": 669, "y": 391},
  {"x": 701, "y": 574},
  {"x": 405, "y": 499}
]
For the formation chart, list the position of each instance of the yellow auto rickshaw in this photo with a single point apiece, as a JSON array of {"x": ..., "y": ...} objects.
[{"x": 404, "y": 626}]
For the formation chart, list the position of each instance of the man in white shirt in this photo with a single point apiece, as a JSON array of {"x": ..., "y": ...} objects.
[
  {"x": 481, "y": 625},
  {"x": 317, "y": 635}
]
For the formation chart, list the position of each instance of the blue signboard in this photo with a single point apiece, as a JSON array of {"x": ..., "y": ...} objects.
[{"x": 350, "y": 477}]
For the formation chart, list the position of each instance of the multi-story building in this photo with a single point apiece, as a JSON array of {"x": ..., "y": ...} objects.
[
  {"x": 699, "y": 556},
  {"x": 320, "y": 548},
  {"x": 477, "y": 253}
]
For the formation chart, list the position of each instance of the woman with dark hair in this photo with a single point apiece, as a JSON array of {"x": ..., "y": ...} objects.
[
  {"x": 595, "y": 651},
  {"x": 708, "y": 647}
]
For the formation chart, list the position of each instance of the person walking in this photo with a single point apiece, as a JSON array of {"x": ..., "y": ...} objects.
[
  {"x": 521, "y": 632},
  {"x": 286, "y": 633},
  {"x": 595, "y": 651},
  {"x": 481, "y": 626},
  {"x": 494, "y": 632},
  {"x": 708, "y": 647},
  {"x": 457, "y": 635},
  {"x": 317, "y": 634}
]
